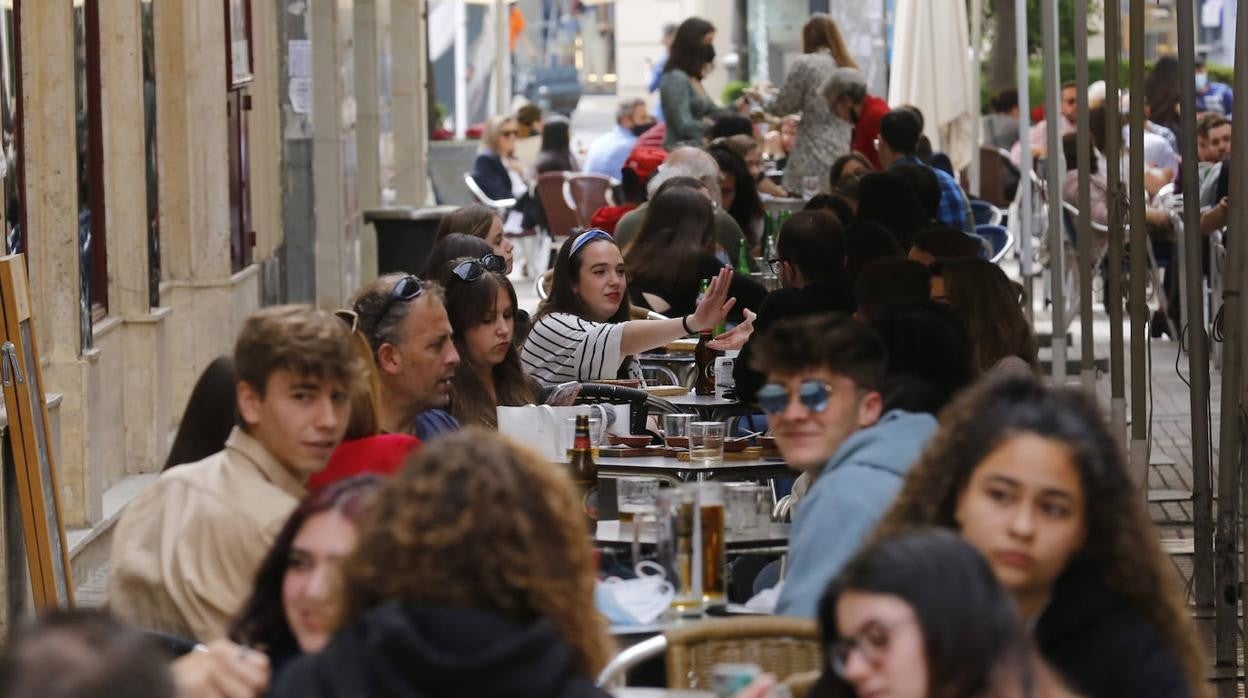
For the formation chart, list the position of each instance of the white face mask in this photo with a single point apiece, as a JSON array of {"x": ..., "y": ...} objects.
[
  {"x": 637, "y": 601},
  {"x": 1202, "y": 81}
]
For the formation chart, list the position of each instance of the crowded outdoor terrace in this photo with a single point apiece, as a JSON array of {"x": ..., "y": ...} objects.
[{"x": 763, "y": 396}]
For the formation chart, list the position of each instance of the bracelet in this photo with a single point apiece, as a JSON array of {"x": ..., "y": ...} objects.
[{"x": 684, "y": 321}]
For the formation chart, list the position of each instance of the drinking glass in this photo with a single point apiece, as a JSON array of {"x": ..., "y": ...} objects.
[
  {"x": 810, "y": 186},
  {"x": 636, "y": 496},
  {"x": 676, "y": 429},
  {"x": 706, "y": 444},
  {"x": 714, "y": 544},
  {"x": 748, "y": 508},
  {"x": 568, "y": 434},
  {"x": 676, "y": 547}
]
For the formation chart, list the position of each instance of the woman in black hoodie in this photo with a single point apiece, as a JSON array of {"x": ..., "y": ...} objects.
[
  {"x": 1032, "y": 478},
  {"x": 474, "y": 578}
]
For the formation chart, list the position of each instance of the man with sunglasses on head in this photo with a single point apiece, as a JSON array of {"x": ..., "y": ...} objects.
[
  {"x": 405, "y": 322},
  {"x": 823, "y": 404}
]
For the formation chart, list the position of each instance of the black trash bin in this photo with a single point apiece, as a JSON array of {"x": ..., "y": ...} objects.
[{"x": 405, "y": 236}]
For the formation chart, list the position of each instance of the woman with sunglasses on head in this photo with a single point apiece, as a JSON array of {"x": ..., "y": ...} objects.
[
  {"x": 477, "y": 220},
  {"x": 1033, "y": 479},
  {"x": 456, "y": 245},
  {"x": 481, "y": 303},
  {"x": 674, "y": 251},
  {"x": 920, "y": 615},
  {"x": 295, "y": 604},
  {"x": 583, "y": 331}
]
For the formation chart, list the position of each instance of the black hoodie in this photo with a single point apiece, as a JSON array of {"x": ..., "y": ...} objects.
[
  {"x": 395, "y": 651},
  {"x": 1103, "y": 646}
]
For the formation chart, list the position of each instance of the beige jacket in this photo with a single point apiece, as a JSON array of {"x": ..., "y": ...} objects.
[{"x": 186, "y": 550}]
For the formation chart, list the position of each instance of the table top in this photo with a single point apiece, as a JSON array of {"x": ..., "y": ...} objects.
[
  {"x": 659, "y": 693},
  {"x": 692, "y": 399},
  {"x": 612, "y": 533},
  {"x": 675, "y": 470}
]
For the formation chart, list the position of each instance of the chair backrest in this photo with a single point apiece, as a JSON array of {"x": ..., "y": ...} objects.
[
  {"x": 994, "y": 171},
  {"x": 500, "y": 205},
  {"x": 781, "y": 646},
  {"x": 586, "y": 192},
  {"x": 998, "y": 238},
  {"x": 985, "y": 212},
  {"x": 542, "y": 284},
  {"x": 608, "y": 394},
  {"x": 447, "y": 162},
  {"x": 561, "y": 220}
]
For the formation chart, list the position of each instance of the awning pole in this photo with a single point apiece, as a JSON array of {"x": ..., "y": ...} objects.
[
  {"x": 1054, "y": 167},
  {"x": 1138, "y": 451},
  {"x": 1023, "y": 196},
  {"x": 1113, "y": 180},
  {"x": 977, "y": 64},
  {"x": 1083, "y": 138}
]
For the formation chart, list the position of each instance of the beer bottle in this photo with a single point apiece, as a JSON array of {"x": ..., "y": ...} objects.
[
  {"x": 583, "y": 469},
  {"x": 704, "y": 360},
  {"x": 743, "y": 259}
]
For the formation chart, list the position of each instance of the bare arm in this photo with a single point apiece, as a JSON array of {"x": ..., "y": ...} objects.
[{"x": 643, "y": 335}]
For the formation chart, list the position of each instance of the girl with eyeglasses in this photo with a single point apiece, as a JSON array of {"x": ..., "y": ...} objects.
[
  {"x": 583, "y": 332},
  {"x": 1033, "y": 479},
  {"x": 920, "y": 615},
  {"x": 481, "y": 304}
]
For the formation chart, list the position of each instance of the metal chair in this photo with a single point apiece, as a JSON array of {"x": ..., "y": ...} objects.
[
  {"x": 608, "y": 394},
  {"x": 986, "y": 213},
  {"x": 586, "y": 192},
  {"x": 501, "y": 206},
  {"x": 998, "y": 238}
]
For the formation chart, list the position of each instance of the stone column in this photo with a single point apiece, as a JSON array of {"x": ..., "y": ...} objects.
[
  {"x": 368, "y": 125},
  {"x": 144, "y": 378},
  {"x": 411, "y": 135}
]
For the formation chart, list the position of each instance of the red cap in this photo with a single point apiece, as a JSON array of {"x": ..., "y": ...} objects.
[
  {"x": 608, "y": 216},
  {"x": 644, "y": 161},
  {"x": 381, "y": 454}
]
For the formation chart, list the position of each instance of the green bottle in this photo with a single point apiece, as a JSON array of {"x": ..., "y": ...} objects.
[{"x": 743, "y": 259}]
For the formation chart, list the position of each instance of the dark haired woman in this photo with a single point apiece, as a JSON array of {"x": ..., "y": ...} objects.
[
  {"x": 739, "y": 195},
  {"x": 583, "y": 331},
  {"x": 1032, "y": 478},
  {"x": 458, "y": 245},
  {"x": 556, "y": 154},
  {"x": 822, "y": 136},
  {"x": 987, "y": 301},
  {"x": 482, "y": 308},
  {"x": 295, "y": 603},
  {"x": 847, "y": 165},
  {"x": 477, "y": 220},
  {"x": 920, "y": 615},
  {"x": 209, "y": 415},
  {"x": 674, "y": 251},
  {"x": 686, "y": 107}
]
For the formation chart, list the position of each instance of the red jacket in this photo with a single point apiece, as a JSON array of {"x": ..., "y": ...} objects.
[
  {"x": 381, "y": 455},
  {"x": 868, "y": 128}
]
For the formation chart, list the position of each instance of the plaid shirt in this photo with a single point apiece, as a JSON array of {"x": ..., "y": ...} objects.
[{"x": 955, "y": 210}]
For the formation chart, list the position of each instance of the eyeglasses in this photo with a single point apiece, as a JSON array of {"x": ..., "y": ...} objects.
[
  {"x": 588, "y": 236},
  {"x": 349, "y": 317},
  {"x": 774, "y": 264},
  {"x": 470, "y": 270},
  {"x": 871, "y": 642},
  {"x": 813, "y": 393},
  {"x": 406, "y": 289},
  {"x": 509, "y": 132}
]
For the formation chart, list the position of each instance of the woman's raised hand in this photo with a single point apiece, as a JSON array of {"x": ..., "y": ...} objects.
[{"x": 715, "y": 304}]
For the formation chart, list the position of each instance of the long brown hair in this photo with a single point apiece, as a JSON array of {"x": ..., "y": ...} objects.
[
  {"x": 983, "y": 296},
  {"x": 473, "y": 219},
  {"x": 467, "y": 304},
  {"x": 820, "y": 31},
  {"x": 678, "y": 228},
  {"x": 1120, "y": 547},
  {"x": 474, "y": 520},
  {"x": 563, "y": 298}
]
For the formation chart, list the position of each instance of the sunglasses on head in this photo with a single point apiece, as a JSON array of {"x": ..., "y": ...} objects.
[
  {"x": 406, "y": 289},
  {"x": 813, "y": 394},
  {"x": 349, "y": 317},
  {"x": 509, "y": 132},
  {"x": 470, "y": 270}
]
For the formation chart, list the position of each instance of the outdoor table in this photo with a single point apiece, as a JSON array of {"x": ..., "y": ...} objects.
[
  {"x": 773, "y": 539},
  {"x": 659, "y": 693},
  {"x": 675, "y": 472},
  {"x": 711, "y": 407},
  {"x": 775, "y": 205}
]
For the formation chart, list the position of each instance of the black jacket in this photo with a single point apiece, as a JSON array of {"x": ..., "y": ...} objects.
[
  {"x": 395, "y": 651},
  {"x": 1103, "y": 646},
  {"x": 491, "y": 175},
  {"x": 819, "y": 297}
]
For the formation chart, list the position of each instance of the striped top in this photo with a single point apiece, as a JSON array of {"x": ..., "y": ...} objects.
[{"x": 563, "y": 347}]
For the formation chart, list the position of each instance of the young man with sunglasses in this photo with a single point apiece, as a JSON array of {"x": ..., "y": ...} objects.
[
  {"x": 405, "y": 322},
  {"x": 824, "y": 407}
]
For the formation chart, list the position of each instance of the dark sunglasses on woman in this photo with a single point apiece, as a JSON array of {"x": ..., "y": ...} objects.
[{"x": 470, "y": 270}]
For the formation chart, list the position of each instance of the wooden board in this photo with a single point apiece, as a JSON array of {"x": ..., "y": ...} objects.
[{"x": 21, "y": 375}]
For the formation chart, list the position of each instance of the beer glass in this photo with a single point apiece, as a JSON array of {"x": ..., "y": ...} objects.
[
  {"x": 635, "y": 496},
  {"x": 676, "y": 547},
  {"x": 706, "y": 444},
  {"x": 714, "y": 554},
  {"x": 748, "y": 508}
]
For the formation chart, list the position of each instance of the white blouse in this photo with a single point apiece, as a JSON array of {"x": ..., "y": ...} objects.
[{"x": 563, "y": 347}]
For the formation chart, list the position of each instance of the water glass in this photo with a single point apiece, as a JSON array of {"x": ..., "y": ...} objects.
[
  {"x": 568, "y": 434},
  {"x": 748, "y": 509},
  {"x": 706, "y": 444},
  {"x": 676, "y": 429},
  {"x": 810, "y": 186},
  {"x": 676, "y": 547}
]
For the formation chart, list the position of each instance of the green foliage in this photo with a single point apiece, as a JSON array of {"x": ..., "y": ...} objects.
[
  {"x": 733, "y": 90},
  {"x": 1096, "y": 71}
]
